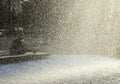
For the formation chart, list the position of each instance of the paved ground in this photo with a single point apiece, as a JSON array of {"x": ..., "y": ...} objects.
[{"x": 59, "y": 69}]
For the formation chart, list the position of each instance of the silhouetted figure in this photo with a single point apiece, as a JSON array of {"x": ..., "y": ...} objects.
[{"x": 18, "y": 46}]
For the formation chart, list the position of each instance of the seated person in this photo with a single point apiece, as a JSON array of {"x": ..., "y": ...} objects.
[{"x": 18, "y": 45}]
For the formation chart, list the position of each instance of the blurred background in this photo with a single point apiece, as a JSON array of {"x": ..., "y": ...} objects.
[{"x": 63, "y": 26}]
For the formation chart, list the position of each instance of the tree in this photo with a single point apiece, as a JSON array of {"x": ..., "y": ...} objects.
[
  {"x": 27, "y": 13},
  {"x": 9, "y": 20}
]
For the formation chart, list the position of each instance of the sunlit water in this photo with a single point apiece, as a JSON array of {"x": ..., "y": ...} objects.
[{"x": 67, "y": 69}]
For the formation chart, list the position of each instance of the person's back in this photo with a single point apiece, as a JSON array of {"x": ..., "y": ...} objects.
[{"x": 18, "y": 45}]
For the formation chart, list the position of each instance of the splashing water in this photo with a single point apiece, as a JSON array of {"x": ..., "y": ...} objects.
[
  {"x": 80, "y": 26},
  {"x": 73, "y": 27},
  {"x": 69, "y": 69},
  {"x": 87, "y": 27}
]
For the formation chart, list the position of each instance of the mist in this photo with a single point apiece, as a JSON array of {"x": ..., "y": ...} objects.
[
  {"x": 83, "y": 27},
  {"x": 75, "y": 26}
]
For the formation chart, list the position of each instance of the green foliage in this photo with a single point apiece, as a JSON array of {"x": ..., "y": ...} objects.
[
  {"x": 27, "y": 13},
  {"x": 9, "y": 20}
]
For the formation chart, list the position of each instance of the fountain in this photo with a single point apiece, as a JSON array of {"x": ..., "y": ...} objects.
[{"x": 88, "y": 28}]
